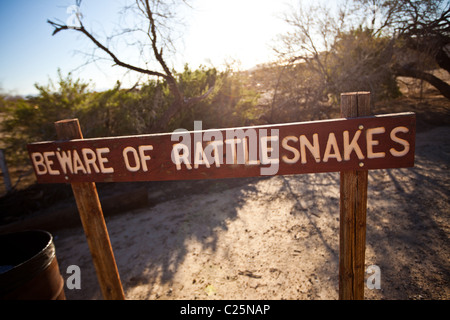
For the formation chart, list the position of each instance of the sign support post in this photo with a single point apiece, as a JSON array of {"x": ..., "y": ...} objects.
[
  {"x": 5, "y": 171},
  {"x": 353, "y": 209},
  {"x": 91, "y": 216}
]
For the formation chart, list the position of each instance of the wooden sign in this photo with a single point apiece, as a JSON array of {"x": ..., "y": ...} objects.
[
  {"x": 352, "y": 146},
  {"x": 375, "y": 142}
]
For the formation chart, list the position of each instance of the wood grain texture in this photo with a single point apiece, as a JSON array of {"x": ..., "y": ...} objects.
[
  {"x": 160, "y": 167},
  {"x": 93, "y": 222},
  {"x": 353, "y": 208}
]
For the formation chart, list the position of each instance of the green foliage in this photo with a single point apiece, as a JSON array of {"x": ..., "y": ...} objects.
[
  {"x": 231, "y": 103},
  {"x": 117, "y": 111},
  {"x": 29, "y": 120},
  {"x": 361, "y": 61}
]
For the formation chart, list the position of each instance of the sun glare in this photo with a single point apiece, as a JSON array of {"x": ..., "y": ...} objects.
[{"x": 233, "y": 30}]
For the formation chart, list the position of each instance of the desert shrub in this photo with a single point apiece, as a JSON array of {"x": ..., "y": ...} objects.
[
  {"x": 361, "y": 61},
  {"x": 119, "y": 111},
  {"x": 231, "y": 103},
  {"x": 32, "y": 119}
]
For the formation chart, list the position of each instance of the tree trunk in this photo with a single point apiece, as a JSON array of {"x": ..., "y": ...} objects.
[
  {"x": 443, "y": 59},
  {"x": 442, "y": 86}
]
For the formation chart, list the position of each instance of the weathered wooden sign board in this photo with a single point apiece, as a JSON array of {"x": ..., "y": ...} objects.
[
  {"x": 375, "y": 142},
  {"x": 351, "y": 146}
]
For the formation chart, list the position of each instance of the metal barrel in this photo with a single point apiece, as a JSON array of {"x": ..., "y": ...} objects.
[{"x": 28, "y": 267}]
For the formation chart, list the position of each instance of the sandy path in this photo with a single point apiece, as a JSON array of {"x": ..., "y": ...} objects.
[{"x": 278, "y": 237}]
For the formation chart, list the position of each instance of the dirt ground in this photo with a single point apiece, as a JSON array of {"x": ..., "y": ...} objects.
[{"x": 278, "y": 237}]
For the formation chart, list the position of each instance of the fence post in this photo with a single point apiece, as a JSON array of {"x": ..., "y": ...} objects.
[
  {"x": 91, "y": 215},
  {"x": 5, "y": 171},
  {"x": 353, "y": 207}
]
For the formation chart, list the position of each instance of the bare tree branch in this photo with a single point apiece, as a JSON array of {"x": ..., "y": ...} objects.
[
  {"x": 152, "y": 32},
  {"x": 59, "y": 27},
  {"x": 442, "y": 86}
]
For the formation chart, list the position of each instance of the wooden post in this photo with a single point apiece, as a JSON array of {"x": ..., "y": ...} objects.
[
  {"x": 5, "y": 171},
  {"x": 91, "y": 215},
  {"x": 353, "y": 206}
]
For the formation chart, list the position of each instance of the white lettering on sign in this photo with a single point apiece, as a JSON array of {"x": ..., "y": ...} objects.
[
  {"x": 89, "y": 157},
  {"x": 269, "y": 154},
  {"x": 371, "y": 143},
  {"x": 240, "y": 148},
  {"x": 200, "y": 156},
  {"x": 139, "y": 157},
  {"x": 286, "y": 146},
  {"x": 332, "y": 145},
  {"x": 126, "y": 156},
  {"x": 71, "y": 162},
  {"x": 38, "y": 162},
  {"x": 102, "y": 160},
  {"x": 214, "y": 152},
  {"x": 246, "y": 153},
  {"x": 77, "y": 163},
  {"x": 403, "y": 142},
  {"x": 313, "y": 148},
  {"x": 65, "y": 160},
  {"x": 278, "y": 149},
  {"x": 49, "y": 162},
  {"x": 352, "y": 146}
]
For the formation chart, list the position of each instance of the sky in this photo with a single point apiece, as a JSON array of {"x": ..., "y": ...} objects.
[{"x": 215, "y": 32}]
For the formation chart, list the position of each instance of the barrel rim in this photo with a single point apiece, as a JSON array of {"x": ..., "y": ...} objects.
[{"x": 28, "y": 269}]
